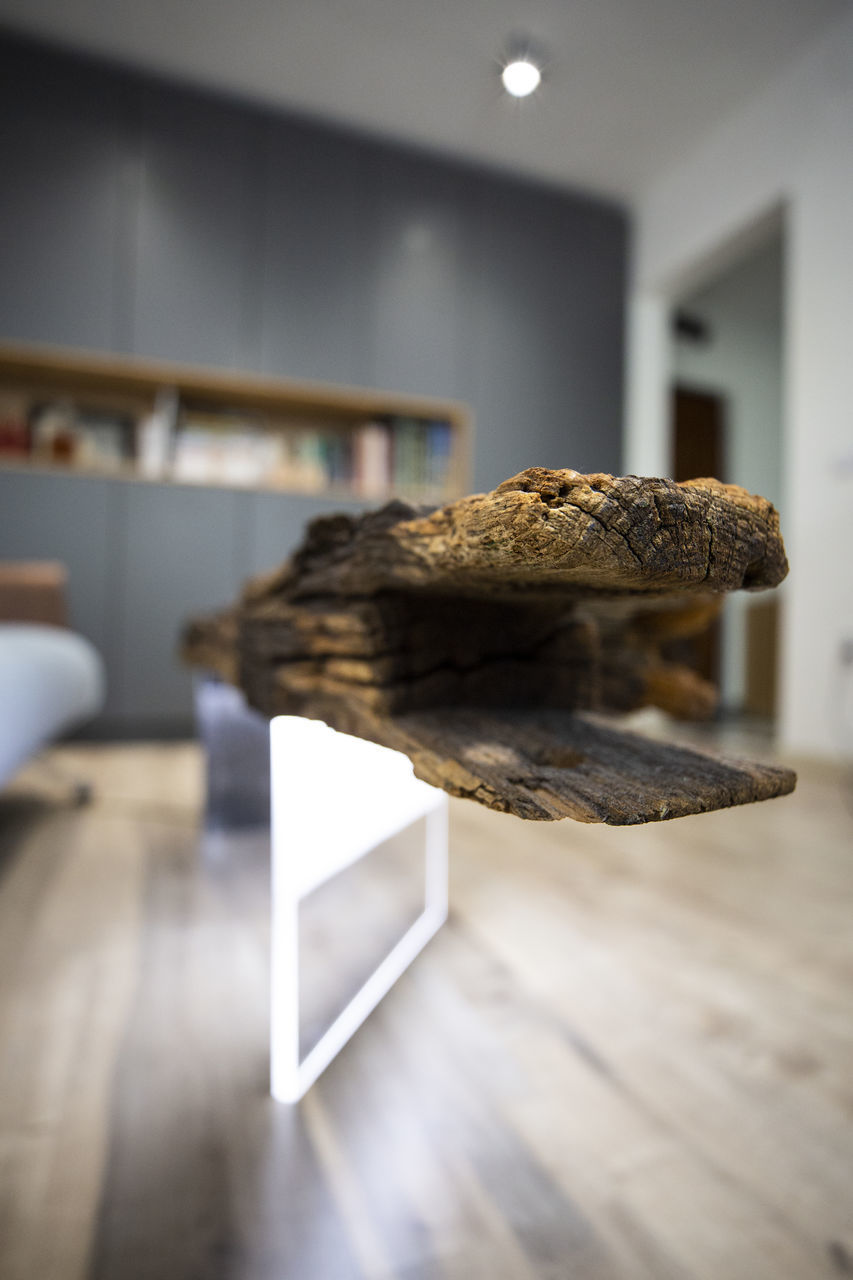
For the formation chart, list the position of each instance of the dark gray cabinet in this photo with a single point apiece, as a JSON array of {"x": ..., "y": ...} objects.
[
  {"x": 313, "y": 286},
  {"x": 196, "y": 232},
  {"x": 61, "y": 214},
  {"x": 275, "y": 525},
  {"x": 179, "y": 556},
  {"x": 546, "y": 371},
  {"x": 423, "y": 236}
]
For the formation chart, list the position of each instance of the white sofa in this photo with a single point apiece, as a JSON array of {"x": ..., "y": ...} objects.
[{"x": 51, "y": 679}]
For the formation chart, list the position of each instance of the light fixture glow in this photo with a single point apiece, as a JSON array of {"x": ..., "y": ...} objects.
[{"x": 521, "y": 77}]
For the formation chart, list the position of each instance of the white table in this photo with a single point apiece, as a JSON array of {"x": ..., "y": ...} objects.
[{"x": 336, "y": 798}]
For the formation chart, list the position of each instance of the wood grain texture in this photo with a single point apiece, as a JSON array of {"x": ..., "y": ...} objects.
[
  {"x": 627, "y": 1057},
  {"x": 544, "y": 529},
  {"x": 555, "y": 595}
]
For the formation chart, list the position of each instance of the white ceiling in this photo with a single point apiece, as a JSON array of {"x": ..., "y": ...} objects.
[{"x": 630, "y": 85}]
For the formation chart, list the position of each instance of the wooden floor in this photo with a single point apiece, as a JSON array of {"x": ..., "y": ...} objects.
[{"x": 629, "y": 1054}]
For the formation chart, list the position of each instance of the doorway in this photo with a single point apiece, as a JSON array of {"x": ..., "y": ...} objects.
[
  {"x": 698, "y": 434},
  {"x": 698, "y": 450},
  {"x": 726, "y": 360}
]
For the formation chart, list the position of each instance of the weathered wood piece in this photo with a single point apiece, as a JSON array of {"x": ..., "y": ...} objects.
[{"x": 481, "y": 637}]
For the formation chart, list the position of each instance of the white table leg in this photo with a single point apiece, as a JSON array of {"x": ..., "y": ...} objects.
[{"x": 334, "y": 799}]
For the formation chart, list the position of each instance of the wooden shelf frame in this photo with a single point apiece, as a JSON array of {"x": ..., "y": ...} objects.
[{"x": 126, "y": 380}]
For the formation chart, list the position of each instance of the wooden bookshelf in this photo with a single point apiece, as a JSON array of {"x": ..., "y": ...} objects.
[{"x": 315, "y": 438}]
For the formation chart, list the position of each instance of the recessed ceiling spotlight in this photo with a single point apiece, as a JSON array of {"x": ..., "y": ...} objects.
[{"x": 521, "y": 76}]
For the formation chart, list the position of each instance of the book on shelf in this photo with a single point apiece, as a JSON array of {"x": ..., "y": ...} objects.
[
  {"x": 439, "y": 454},
  {"x": 14, "y": 426},
  {"x": 422, "y": 454},
  {"x": 372, "y": 459},
  {"x": 104, "y": 440},
  {"x": 155, "y": 435},
  {"x": 82, "y": 436},
  {"x": 223, "y": 448},
  {"x": 200, "y": 444},
  {"x": 336, "y": 452},
  {"x": 306, "y": 472}
]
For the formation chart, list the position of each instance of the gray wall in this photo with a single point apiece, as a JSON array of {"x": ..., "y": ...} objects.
[{"x": 145, "y": 218}]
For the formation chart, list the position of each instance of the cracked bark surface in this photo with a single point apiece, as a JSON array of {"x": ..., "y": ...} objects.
[{"x": 486, "y": 638}]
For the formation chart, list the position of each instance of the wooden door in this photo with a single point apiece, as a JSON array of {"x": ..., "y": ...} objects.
[
  {"x": 698, "y": 450},
  {"x": 762, "y": 657},
  {"x": 698, "y": 431}
]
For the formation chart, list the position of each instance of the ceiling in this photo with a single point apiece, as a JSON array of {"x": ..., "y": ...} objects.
[{"x": 629, "y": 86}]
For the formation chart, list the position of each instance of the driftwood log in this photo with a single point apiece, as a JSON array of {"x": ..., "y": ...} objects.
[{"x": 490, "y": 639}]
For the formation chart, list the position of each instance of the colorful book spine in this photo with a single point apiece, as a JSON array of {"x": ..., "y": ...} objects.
[
  {"x": 371, "y": 476},
  {"x": 439, "y": 457},
  {"x": 406, "y": 454}
]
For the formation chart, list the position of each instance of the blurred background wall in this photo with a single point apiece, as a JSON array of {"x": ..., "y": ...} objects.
[
  {"x": 785, "y": 157},
  {"x": 144, "y": 218}
]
